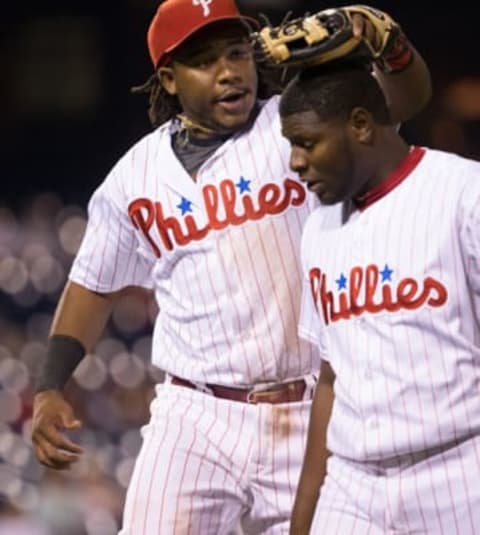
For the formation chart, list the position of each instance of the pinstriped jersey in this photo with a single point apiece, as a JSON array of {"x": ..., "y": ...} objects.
[
  {"x": 392, "y": 297},
  {"x": 220, "y": 252}
]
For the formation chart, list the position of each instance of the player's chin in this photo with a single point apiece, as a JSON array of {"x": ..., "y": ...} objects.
[
  {"x": 328, "y": 197},
  {"x": 232, "y": 124},
  {"x": 325, "y": 195},
  {"x": 235, "y": 117}
]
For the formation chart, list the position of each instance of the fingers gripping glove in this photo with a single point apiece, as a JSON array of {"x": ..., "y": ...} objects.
[{"x": 328, "y": 36}]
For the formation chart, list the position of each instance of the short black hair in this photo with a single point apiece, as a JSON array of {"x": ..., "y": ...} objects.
[{"x": 333, "y": 90}]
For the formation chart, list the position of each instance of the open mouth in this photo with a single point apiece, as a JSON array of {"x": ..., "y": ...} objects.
[
  {"x": 234, "y": 102},
  {"x": 232, "y": 97}
]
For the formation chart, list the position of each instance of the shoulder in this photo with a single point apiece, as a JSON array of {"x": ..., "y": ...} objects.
[
  {"x": 131, "y": 166},
  {"x": 136, "y": 158},
  {"x": 267, "y": 125},
  {"x": 449, "y": 164},
  {"x": 269, "y": 111},
  {"x": 457, "y": 176},
  {"x": 147, "y": 146},
  {"x": 445, "y": 174}
]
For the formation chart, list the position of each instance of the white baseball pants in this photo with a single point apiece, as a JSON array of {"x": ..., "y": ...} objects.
[
  {"x": 207, "y": 464},
  {"x": 434, "y": 493}
]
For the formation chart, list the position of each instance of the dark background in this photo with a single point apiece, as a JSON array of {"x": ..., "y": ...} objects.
[
  {"x": 67, "y": 68},
  {"x": 67, "y": 116}
]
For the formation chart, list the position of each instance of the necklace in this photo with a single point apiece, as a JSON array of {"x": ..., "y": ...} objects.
[{"x": 187, "y": 126}]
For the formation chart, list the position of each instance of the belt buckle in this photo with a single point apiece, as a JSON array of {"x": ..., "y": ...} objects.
[
  {"x": 309, "y": 382},
  {"x": 255, "y": 396},
  {"x": 252, "y": 396}
]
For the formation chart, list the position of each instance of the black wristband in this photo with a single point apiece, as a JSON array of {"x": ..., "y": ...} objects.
[{"x": 62, "y": 357}]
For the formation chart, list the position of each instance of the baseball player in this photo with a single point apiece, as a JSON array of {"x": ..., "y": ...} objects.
[
  {"x": 391, "y": 298},
  {"x": 205, "y": 212}
]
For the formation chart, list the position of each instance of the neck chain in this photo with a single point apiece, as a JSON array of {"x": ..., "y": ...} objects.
[{"x": 187, "y": 126}]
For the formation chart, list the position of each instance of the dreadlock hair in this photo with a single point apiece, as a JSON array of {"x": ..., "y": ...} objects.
[
  {"x": 333, "y": 90},
  {"x": 163, "y": 106}
]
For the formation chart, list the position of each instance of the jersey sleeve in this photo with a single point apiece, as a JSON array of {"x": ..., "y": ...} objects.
[
  {"x": 109, "y": 257},
  {"x": 310, "y": 326}
]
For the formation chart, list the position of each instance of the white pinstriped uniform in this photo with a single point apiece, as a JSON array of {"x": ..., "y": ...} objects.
[
  {"x": 221, "y": 254},
  {"x": 394, "y": 307}
]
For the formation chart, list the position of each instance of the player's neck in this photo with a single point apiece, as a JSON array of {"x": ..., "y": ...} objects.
[{"x": 188, "y": 129}]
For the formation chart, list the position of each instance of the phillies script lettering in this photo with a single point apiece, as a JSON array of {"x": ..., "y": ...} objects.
[
  {"x": 148, "y": 216},
  {"x": 362, "y": 288}
]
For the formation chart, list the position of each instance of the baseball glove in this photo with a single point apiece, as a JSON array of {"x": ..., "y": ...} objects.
[{"x": 325, "y": 36}]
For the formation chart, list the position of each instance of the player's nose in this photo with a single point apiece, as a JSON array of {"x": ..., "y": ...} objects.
[
  {"x": 298, "y": 163},
  {"x": 227, "y": 69}
]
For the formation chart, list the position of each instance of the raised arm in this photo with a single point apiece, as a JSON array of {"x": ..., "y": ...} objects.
[
  {"x": 400, "y": 70},
  {"x": 354, "y": 33},
  {"x": 316, "y": 454}
]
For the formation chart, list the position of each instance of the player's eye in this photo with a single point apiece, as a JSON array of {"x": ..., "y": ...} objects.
[
  {"x": 305, "y": 144},
  {"x": 308, "y": 144},
  {"x": 240, "y": 52},
  {"x": 199, "y": 59},
  {"x": 205, "y": 60}
]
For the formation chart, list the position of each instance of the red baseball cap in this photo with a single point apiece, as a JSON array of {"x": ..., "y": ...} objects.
[{"x": 176, "y": 20}]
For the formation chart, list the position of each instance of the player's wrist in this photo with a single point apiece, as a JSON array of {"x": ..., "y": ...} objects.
[
  {"x": 397, "y": 57},
  {"x": 63, "y": 355}
]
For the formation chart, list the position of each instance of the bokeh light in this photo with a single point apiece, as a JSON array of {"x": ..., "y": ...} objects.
[
  {"x": 14, "y": 375},
  {"x": 36, "y": 250},
  {"x": 61, "y": 108},
  {"x": 70, "y": 233}
]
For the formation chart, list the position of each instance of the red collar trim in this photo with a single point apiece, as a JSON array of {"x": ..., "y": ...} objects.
[{"x": 396, "y": 177}]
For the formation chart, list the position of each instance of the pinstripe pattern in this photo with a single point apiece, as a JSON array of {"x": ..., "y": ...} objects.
[
  {"x": 365, "y": 498},
  {"x": 225, "y": 281},
  {"x": 222, "y": 254},
  {"x": 407, "y": 360},
  {"x": 205, "y": 462}
]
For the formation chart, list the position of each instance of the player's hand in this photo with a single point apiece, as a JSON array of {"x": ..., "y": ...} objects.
[
  {"x": 52, "y": 413},
  {"x": 363, "y": 28}
]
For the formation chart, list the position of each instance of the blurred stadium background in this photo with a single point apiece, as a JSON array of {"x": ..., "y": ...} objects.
[{"x": 67, "y": 115}]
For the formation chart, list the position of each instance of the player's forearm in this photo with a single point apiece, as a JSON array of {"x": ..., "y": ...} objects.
[
  {"x": 82, "y": 314},
  {"x": 79, "y": 320},
  {"x": 316, "y": 455},
  {"x": 407, "y": 91}
]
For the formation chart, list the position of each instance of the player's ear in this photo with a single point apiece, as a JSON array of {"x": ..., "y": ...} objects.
[
  {"x": 362, "y": 124},
  {"x": 167, "y": 79}
]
